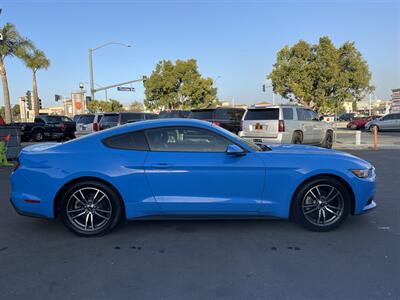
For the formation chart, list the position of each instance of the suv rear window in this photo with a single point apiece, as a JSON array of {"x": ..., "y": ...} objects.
[
  {"x": 110, "y": 118},
  {"x": 85, "y": 119},
  {"x": 202, "y": 114},
  {"x": 130, "y": 117},
  {"x": 229, "y": 114},
  {"x": 262, "y": 114}
]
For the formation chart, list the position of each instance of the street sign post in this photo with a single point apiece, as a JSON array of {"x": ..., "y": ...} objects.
[{"x": 125, "y": 89}]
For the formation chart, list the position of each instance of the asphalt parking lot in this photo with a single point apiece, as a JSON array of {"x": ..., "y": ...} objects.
[
  {"x": 348, "y": 137},
  {"x": 259, "y": 259}
]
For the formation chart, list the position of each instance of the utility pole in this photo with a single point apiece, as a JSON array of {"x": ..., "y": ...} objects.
[{"x": 92, "y": 89}]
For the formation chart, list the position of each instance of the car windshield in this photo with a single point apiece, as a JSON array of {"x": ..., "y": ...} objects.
[
  {"x": 238, "y": 139},
  {"x": 262, "y": 114}
]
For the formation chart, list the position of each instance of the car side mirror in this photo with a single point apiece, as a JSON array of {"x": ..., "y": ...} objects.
[{"x": 235, "y": 150}]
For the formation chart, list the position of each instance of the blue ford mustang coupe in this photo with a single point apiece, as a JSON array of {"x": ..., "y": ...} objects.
[{"x": 182, "y": 167}]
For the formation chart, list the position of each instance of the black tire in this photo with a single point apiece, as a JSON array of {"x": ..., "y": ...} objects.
[
  {"x": 328, "y": 140},
  {"x": 371, "y": 128},
  {"x": 38, "y": 135},
  {"x": 307, "y": 211},
  {"x": 107, "y": 212},
  {"x": 297, "y": 138}
]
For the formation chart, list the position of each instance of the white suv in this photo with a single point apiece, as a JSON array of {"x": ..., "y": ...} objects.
[{"x": 286, "y": 124}]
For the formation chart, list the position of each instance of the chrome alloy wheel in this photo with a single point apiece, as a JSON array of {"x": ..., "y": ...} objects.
[
  {"x": 323, "y": 205},
  {"x": 89, "y": 209}
]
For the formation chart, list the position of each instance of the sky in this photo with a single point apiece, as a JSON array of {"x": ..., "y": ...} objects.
[{"x": 234, "y": 42}]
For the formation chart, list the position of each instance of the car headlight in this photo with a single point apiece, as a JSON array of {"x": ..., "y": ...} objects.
[{"x": 363, "y": 173}]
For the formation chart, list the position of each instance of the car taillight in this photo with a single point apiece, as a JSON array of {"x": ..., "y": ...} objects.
[
  {"x": 95, "y": 126},
  {"x": 281, "y": 126},
  {"x": 62, "y": 126},
  {"x": 16, "y": 166},
  {"x": 216, "y": 123}
]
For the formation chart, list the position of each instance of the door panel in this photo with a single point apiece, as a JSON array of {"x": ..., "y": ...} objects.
[{"x": 206, "y": 182}]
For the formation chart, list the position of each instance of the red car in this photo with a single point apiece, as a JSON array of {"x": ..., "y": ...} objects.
[
  {"x": 1, "y": 120},
  {"x": 359, "y": 123}
]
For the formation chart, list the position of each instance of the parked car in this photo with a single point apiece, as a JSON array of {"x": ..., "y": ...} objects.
[
  {"x": 174, "y": 114},
  {"x": 359, "y": 123},
  {"x": 187, "y": 168},
  {"x": 389, "y": 122},
  {"x": 286, "y": 124},
  {"x": 87, "y": 123},
  {"x": 131, "y": 117},
  {"x": 108, "y": 120},
  {"x": 226, "y": 117},
  {"x": 48, "y": 126},
  {"x": 1, "y": 120},
  {"x": 346, "y": 117}
]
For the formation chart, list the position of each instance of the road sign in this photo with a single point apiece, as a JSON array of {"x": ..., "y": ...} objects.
[{"x": 125, "y": 89}]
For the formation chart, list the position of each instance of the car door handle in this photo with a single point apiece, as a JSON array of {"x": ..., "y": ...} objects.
[{"x": 160, "y": 166}]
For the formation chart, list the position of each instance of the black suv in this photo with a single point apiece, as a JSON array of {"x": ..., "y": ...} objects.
[
  {"x": 174, "y": 114},
  {"x": 132, "y": 117},
  {"x": 227, "y": 117}
]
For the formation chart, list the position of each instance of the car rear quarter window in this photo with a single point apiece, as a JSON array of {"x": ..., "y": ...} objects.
[
  {"x": 185, "y": 139},
  {"x": 287, "y": 113},
  {"x": 151, "y": 116},
  {"x": 128, "y": 141},
  {"x": 262, "y": 114}
]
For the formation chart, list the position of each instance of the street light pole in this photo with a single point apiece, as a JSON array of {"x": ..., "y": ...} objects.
[
  {"x": 92, "y": 89},
  {"x": 91, "y": 73}
]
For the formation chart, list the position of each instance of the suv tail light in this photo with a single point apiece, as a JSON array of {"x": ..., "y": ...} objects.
[
  {"x": 281, "y": 126},
  {"x": 62, "y": 126},
  {"x": 95, "y": 126},
  {"x": 216, "y": 123}
]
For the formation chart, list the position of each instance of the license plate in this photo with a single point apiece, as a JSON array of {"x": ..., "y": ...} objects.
[{"x": 257, "y": 140}]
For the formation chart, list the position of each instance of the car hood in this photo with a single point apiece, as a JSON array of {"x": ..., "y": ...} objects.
[{"x": 304, "y": 150}]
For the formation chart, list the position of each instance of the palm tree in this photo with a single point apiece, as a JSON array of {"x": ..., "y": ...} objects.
[
  {"x": 11, "y": 43},
  {"x": 35, "y": 60}
]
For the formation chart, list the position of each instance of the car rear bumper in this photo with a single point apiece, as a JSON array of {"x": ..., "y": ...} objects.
[
  {"x": 82, "y": 133},
  {"x": 281, "y": 138}
]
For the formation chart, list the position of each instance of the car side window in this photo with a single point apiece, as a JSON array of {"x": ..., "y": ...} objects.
[
  {"x": 287, "y": 113},
  {"x": 185, "y": 139},
  {"x": 301, "y": 114},
  {"x": 128, "y": 141},
  {"x": 313, "y": 115},
  {"x": 38, "y": 120}
]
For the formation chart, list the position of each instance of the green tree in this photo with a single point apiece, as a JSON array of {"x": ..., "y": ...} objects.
[
  {"x": 11, "y": 45},
  {"x": 321, "y": 76},
  {"x": 105, "y": 106},
  {"x": 179, "y": 86},
  {"x": 136, "y": 106},
  {"x": 16, "y": 111},
  {"x": 35, "y": 60}
]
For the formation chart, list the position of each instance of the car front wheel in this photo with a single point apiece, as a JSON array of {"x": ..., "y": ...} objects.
[
  {"x": 322, "y": 204},
  {"x": 90, "y": 208}
]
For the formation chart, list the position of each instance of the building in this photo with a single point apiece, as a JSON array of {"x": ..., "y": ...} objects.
[
  {"x": 53, "y": 110},
  {"x": 395, "y": 105},
  {"x": 26, "y": 114},
  {"x": 75, "y": 105}
]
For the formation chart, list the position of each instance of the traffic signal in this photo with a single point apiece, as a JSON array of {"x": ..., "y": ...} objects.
[
  {"x": 29, "y": 99},
  {"x": 57, "y": 98},
  {"x": 88, "y": 99},
  {"x": 144, "y": 78},
  {"x": 263, "y": 88},
  {"x": 40, "y": 103}
]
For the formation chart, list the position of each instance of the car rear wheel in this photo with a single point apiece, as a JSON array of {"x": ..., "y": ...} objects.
[
  {"x": 328, "y": 141},
  {"x": 38, "y": 135},
  {"x": 297, "y": 138},
  {"x": 90, "y": 208},
  {"x": 322, "y": 204}
]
